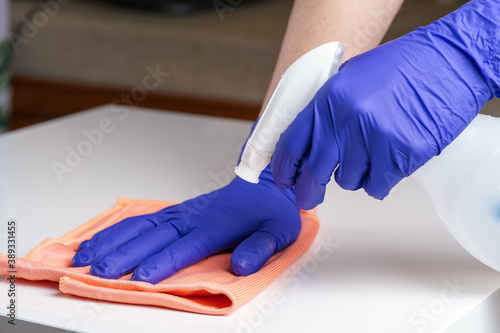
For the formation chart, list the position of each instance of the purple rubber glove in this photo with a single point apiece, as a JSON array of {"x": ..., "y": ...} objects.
[
  {"x": 257, "y": 220},
  {"x": 389, "y": 110}
]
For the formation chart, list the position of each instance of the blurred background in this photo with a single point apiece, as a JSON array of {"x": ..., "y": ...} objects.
[{"x": 70, "y": 55}]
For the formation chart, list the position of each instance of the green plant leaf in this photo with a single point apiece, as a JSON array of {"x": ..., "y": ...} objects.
[
  {"x": 5, "y": 56},
  {"x": 3, "y": 119}
]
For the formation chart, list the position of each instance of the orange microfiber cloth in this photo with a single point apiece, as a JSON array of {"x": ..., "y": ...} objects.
[{"x": 207, "y": 287}]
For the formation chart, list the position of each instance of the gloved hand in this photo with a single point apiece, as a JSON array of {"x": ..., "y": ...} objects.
[
  {"x": 391, "y": 109},
  {"x": 258, "y": 219}
]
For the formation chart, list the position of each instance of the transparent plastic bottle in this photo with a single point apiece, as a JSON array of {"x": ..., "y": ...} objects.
[{"x": 464, "y": 184}]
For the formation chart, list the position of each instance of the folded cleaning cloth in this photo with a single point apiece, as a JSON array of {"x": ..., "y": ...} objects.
[{"x": 207, "y": 287}]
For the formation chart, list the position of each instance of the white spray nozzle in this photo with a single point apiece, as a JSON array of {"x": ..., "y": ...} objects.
[{"x": 294, "y": 91}]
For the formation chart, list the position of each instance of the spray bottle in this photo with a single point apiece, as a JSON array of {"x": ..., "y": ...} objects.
[
  {"x": 462, "y": 181},
  {"x": 464, "y": 185},
  {"x": 296, "y": 87}
]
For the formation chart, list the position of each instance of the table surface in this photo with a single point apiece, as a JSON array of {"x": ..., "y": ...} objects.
[{"x": 375, "y": 266}]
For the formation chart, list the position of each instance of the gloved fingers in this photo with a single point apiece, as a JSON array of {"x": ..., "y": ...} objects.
[
  {"x": 315, "y": 173},
  {"x": 382, "y": 179},
  {"x": 273, "y": 236},
  {"x": 110, "y": 238},
  {"x": 101, "y": 234},
  {"x": 391, "y": 160},
  {"x": 252, "y": 253},
  {"x": 131, "y": 254},
  {"x": 186, "y": 251},
  {"x": 309, "y": 192},
  {"x": 84, "y": 244},
  {"x": 354, "y": 165},
  {"x": 291, "y": 148}
]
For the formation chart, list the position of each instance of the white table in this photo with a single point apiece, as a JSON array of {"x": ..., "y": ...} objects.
[{"x": 374, "y": 267}]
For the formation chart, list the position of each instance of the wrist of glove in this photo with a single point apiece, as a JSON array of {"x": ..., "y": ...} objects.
[
  {"x": 389, "y": 110},
  {"x": 256, "y": 220}
]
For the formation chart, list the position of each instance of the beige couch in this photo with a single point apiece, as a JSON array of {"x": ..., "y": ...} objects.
[{"x": 227, "y": 58}]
